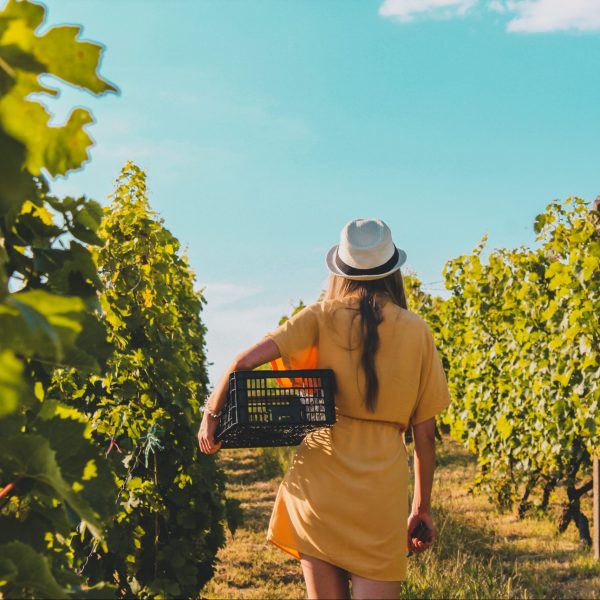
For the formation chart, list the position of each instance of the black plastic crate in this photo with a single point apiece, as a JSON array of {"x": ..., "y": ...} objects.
[{"x": 261, "y": 412}]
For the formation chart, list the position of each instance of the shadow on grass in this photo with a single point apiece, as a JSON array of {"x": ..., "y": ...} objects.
[
  {"x": 244, "y": 467},
  {"x": 251, "y": 479}
]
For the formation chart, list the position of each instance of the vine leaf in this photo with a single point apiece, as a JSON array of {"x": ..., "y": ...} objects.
[
  {"x": 30, "y": 456},
  {"x": 12, "y": 387},
  {"x": 504, "y": 427},
  {"x": 22, "y": 566},
  {"x": 41, "y": 324},
  {"x": 24, "y": 56}
]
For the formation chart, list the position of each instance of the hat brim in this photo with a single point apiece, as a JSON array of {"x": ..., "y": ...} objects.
[{"x": 330, "y": 262}]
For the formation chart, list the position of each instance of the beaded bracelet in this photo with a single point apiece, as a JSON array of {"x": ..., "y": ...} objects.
[{"x": 214, "y": 415}]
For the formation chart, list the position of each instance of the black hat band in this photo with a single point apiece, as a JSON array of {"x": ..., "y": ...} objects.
[{"x": 380, "y": 270}]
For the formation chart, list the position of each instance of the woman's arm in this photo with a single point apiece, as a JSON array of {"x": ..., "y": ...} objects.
[
  {"x": 424, "y": 466},
  {"x": 264, "y": 351}
]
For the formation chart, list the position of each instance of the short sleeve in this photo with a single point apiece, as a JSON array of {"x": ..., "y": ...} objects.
[
  {"x": 297, "y": 339},
  {"x": 433, "y": 396}
]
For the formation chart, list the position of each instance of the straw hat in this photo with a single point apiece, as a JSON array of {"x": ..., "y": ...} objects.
[{"x": 366, "y": 251}]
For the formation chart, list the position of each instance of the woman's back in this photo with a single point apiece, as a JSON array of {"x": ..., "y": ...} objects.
[{"x": 411, "y": 379}]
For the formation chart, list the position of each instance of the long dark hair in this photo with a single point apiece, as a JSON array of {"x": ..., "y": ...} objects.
[{"x": 371, "y": 316}]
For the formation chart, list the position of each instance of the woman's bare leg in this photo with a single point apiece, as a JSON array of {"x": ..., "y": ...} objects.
[
  {"x": 324, "y": 580},
  {"x": 366, "y": 589}
]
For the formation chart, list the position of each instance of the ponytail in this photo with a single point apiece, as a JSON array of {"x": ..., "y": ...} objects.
[{"x": 371, "y": 317}]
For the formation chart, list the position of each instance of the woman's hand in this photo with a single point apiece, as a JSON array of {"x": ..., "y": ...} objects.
[
  {"x": 414, "y": 544},
  {"x": 264, "y": 351},
  {"x": 206, "y": 434}
]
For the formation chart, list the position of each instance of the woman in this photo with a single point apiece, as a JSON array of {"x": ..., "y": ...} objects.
[{"x": 342, "y": 508}]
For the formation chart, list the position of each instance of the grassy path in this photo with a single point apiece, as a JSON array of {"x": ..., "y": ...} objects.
[
  {"x": 249, "y": 566},
  {"x": 479, "y": 554}
]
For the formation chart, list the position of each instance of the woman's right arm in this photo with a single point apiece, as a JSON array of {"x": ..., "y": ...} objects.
[
  {"x": 263, "y": 352},
  {"x": 424, "y": 466}
]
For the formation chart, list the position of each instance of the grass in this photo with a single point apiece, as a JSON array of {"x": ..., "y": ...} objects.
[
  {"x": 480, "y": 553},
  {"x": 248, "y": 566},
  {"x": 548, "y": 564}
]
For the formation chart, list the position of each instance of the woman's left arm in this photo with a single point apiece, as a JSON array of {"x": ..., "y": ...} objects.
[
  {"x": 264, "y": 351},
  {"x": 424, "y": 466}
]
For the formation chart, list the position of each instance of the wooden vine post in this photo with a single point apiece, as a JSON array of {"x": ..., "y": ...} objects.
[
  {"x": 596, "y": 516},
  {"x": 596, "y": 476}
]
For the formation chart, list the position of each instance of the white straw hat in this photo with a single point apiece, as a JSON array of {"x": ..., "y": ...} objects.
[{"x": 366, "y": 251}]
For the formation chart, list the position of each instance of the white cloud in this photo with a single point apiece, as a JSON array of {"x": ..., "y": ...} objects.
[
  {"x": 526, "y": 16},
  {"x": 406, "y": 10},
  {"x": 554, "y": 15}
]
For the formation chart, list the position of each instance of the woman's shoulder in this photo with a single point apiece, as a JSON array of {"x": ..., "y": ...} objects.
[
  {"x": 395, "y": 311},
  {"x": 408, "y": 320},
  {"x": 407, "y": 315}
]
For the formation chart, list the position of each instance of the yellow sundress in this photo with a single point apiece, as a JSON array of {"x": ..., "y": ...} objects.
[{"x": 344, "y": 498}]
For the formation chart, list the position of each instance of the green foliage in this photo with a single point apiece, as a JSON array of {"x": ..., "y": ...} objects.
[
  {"x": 24, "y": 122},
  {"x": 54, "y": 481},
  {"x": 427, "y": 306},
  {"x": 520, "y": 337},
  {"x": 145, "y": 408}
]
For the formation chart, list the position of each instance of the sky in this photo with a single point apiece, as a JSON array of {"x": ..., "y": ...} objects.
[{"x": 264, "y": 126}]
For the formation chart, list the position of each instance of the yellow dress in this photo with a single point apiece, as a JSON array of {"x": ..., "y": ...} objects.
[{"x": 344, "y": 498}]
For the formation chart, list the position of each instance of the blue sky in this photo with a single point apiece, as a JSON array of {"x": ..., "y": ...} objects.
[{"x": 264, "y": 126}]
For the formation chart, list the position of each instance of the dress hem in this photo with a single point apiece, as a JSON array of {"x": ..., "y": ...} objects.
[{"x": 295, "y": 552}]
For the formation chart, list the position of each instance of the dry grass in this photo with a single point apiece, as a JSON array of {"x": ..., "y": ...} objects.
[
  {"x": 480, "y": 553},
  {"x": 551, "y": 565}
]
